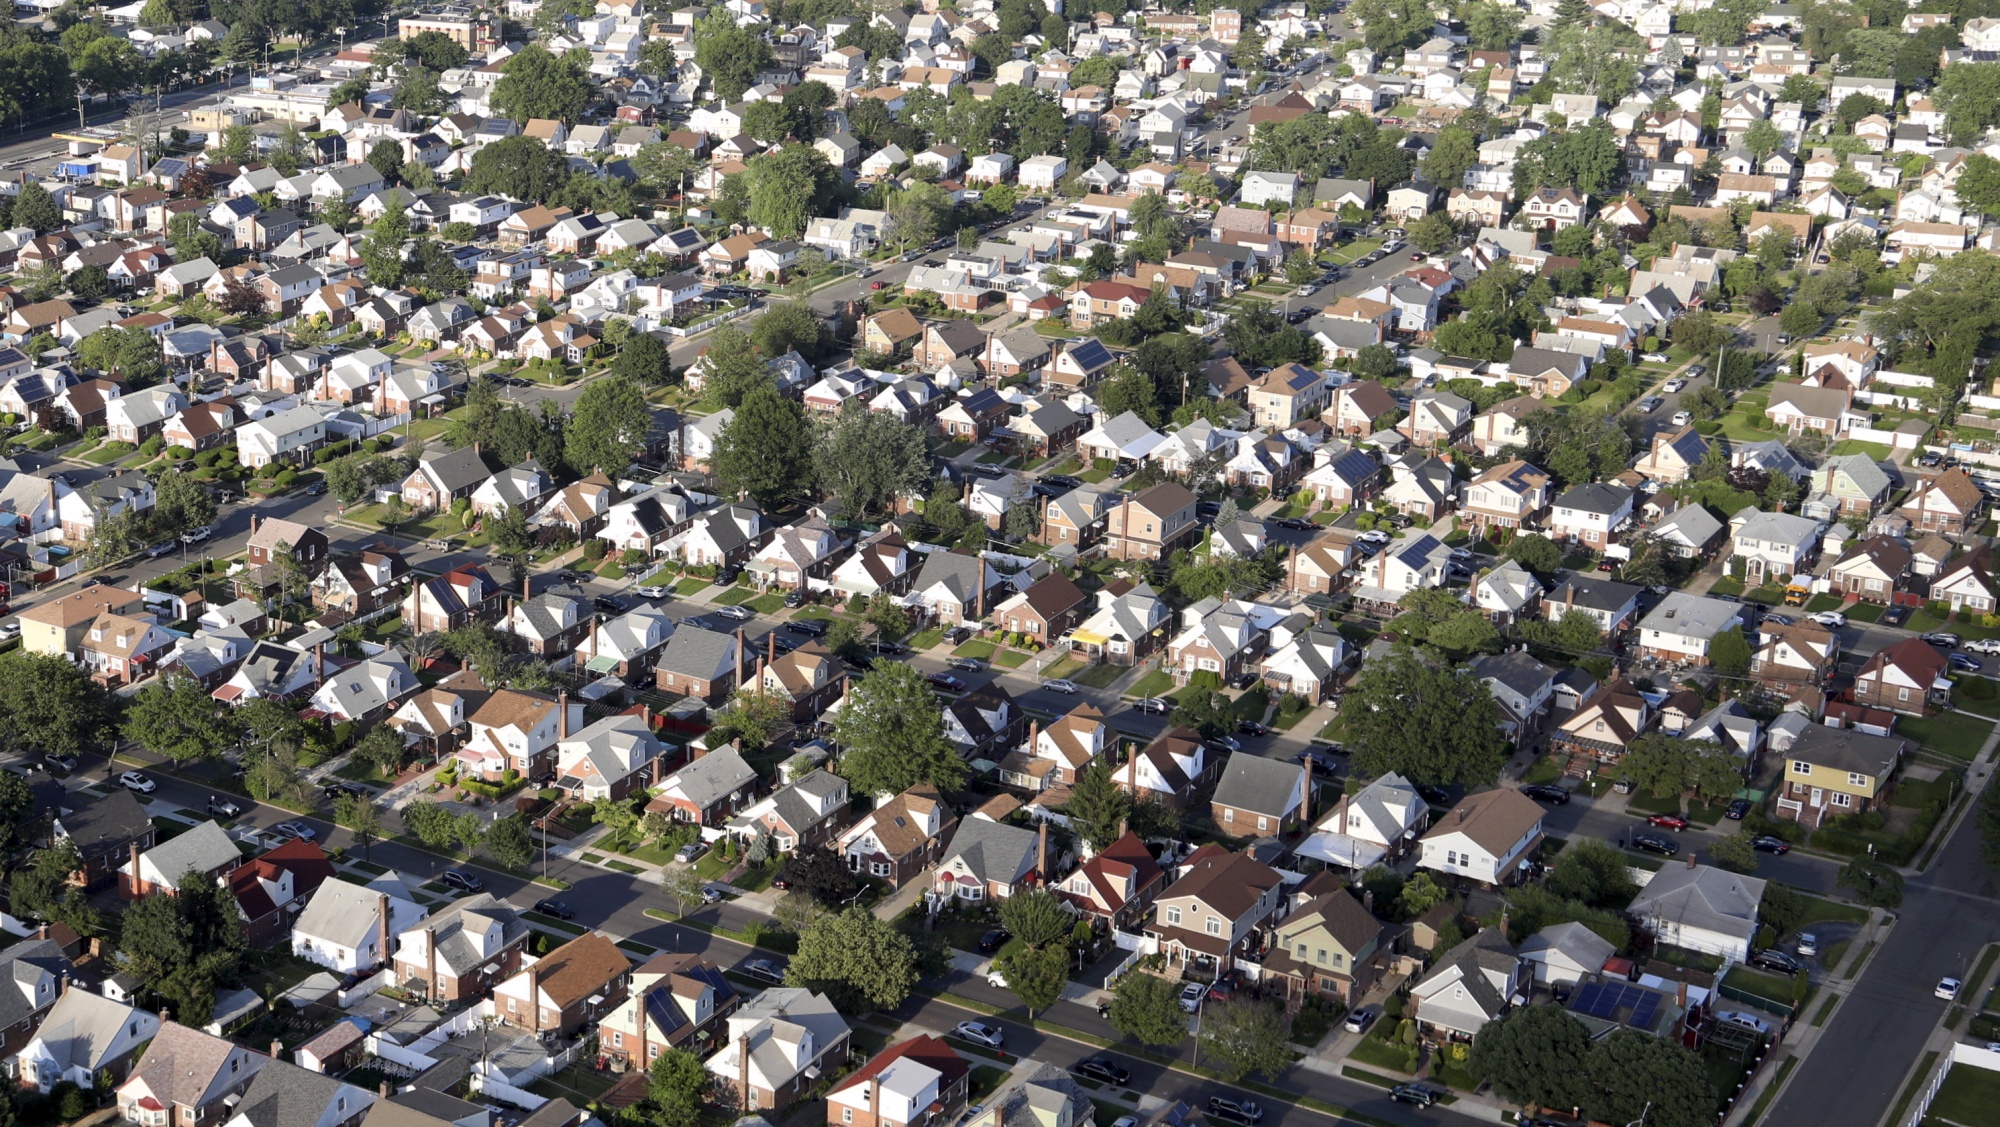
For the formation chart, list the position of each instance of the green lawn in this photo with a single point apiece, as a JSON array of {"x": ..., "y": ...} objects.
[
  {"x": 767, "y": 603},
  {"x": 1876, "y": 451},
  {"x": 1865, "y": 612},
  {"x": 1967, "y": 1097},
  {"x": 1011, "y": 659},
  {"x": 1548, "y": 769},
  {"x": 928, "y": 638},
  {"x": 1067, "y": 667},
  {"x": 1156, "y": 683},
  {"x": 1763, "y": 985},
  {"x": 1831, "y": 911},
  {"x": 1952, "y": 734},
  {"x": 979, "y": 649},
  {"x": 1727, "y": 585},
  {"x": 1377, "y": 1053},
  {"x": 689, "y": 586},
  {"x": 736, "y": 596},
  {"x": 1100, "y": 676}
]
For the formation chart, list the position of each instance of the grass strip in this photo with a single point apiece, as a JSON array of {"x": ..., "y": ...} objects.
[
  {"x": 1825, "y": 1010},
  {"x": 1924, "y": 1065},
  {"x": 1858, "y": 961},
  {"x": 1770, "y": 1091}
]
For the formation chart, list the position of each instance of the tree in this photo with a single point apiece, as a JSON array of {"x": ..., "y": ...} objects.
[
  {"x": 788, "y": 187},
  {"x": 1637, "y": 1075},
  {"x": 34, "y": 207},
  {"x": 1536, "y": 552},
  {"x": 1205, "y": 711},
  {"x": 382, "y": 250},
  {"x": 520, "y": 168},
  {"x": 183, "y": 946},
  {"x": 791, "y": 326},
  {"x": 607, "y": 426},
  {"x": 1035, "y": 975},
  {"x": 752, "y": 715},
  {"x": 1036, "y": 918},
  {"x": 15, "y": 801},
  {"x": 1420, "y": 894},
  {"x": 1670, "y": 767},
  {"x": 893, "y": 734},
  {"x": 1729, "y": 652},
  {"x": 818, "y": 874},
  {"x": 508, "y": 842},
  {"x": 730, "y": 56},
  {"x": 676, "y": 1087},
  {"x": 1874, "y": 883},
  {"x": 1969, "y": 95},
  {"x": 534, "y": 83},
  {"x": 1489, "y": 27},
  {"x": 1242, "y": 1036},
  {"x": 765, "y": 452},
  {"x": 1700, "y": 332},
  {"x": 1535, "y": 1055},
  {"x": 360, "y": 817},
  {"x": 1591, "y": 872},
  {"x": 684, "y": 887},
  {"x": 1733, "y": 852},
  {"x": 175, "y": 717},
  {"x": 860, "y": 962},
  {"x": 1147, "y": 1008},
  {"x": 1588, "y": 158},
  {"x": 1098, "y": 808},
  {"x": 51, "y": 706},
  {"x": 42, "y": 889},
  {"x": 1409, "y": 714},
  {"x": 432, "y": 822},
  {"x": 181, "y": 503},
  {"x": 643, "y": 360},
  {"x": 867, "y": 459}
]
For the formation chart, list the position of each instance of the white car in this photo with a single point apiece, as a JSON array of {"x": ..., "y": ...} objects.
[
  {"x": 1673, "y": 385},
  {"x": 740, "y": 614},
  {"x": 1947, "y": 988},
  {"x": 1657, "y": 358},
  {"x": 1307, "y": 291},
  {"x": 1829, "y": 618},
  {"x": 197, "y": 535},
  {"x": 1059, "y": 685},
  {"x": 12, "y": 630},
  {"x": 1191, "y": 996},
  {"x": 133, "y": 780},
  {"x": 1374, "y": 536},
  {"x": 1982, "y": 646},
  {"x": 1682, "y": 418},
  {"x": 1747, "y": 1021},
  {"x": 979, "y": 1033},
  {"x": 653, "y": 591}
]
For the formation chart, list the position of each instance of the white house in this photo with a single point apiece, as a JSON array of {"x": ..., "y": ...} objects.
[
  {"x": 1484, "y": 838},
  {"x": 1379, "y": 821},
  {"x": 1700, "y": 908},
  {"x": 348, "y": 927}
]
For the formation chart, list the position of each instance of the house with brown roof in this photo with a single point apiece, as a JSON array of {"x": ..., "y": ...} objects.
[
  {"x": 1152, "y": 524},
  {"x": 1603, "y": 727},
  {"x": 1173, "y": 769},
  {"x": 1046, "y": 610},
  {"x": 1215, "y": 905},
  {"x": 1054, "y": 756},
  {"x": 1117, "y": 884},
  {"x": 900, "y": 838},
  {"x": 1361, "y": 408},
  {"x": 807, "y": 680},
  {"x": 1319, "y": 568},
  {"x": 677, "y": 1000},
  {"x": 1872, "y": 570},
  {"x": 1331, "y": 947},
  {"x": 575, "y": 984},
  {"x": 1673, "y": 456},
  {"x": 187, "y": 1078},
  {"x": 61, "y": 626},
  {"x": 1949, "y": 504},
  {"x": 1906, "y": 677},
  {"x": 889, "y": 331},
  {"x": 1485, "y": 838},
  {"x": 1802, "y": 653}
]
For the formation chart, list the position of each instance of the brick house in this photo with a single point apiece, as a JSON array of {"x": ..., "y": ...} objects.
[
  {"x": 1152, "y": 524},
  {"x": 566, "y": 989}
]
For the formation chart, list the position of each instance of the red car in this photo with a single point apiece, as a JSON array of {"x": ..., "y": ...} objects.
[
  {"x": 874, "y": 285},
  {"x": 1668, "y": 821}
]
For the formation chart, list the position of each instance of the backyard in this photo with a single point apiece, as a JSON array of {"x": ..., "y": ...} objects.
[{"x": 1966, "y": 1099}]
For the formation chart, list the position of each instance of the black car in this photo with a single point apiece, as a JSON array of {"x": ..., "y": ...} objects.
[
  {"x": 555, "y": 908},
  {"x": 796, "y": 599},
  {"x": 316, "y": 488},
  {"x": 1296, "y": 524},
  {"x": 993, "y": 940},
  {"x": 608, "y": 605},
  {"x": 1320, "y": 760},
  {"x": 1414, "y": 1094},
  {"x": 1123, "y": 470},
  {"x": 1297, "y": 316},
  {"x": 1737, "y": 810},
  {"x": 463, "y": 881},
  {"x": 810, "y": 627},
  {"x": 1777, "y": 961},
  {"x": 701, "y": 622},
  {"x": 888, "y": 649},
  {"x": 1207, "y": 510},
  {"x": 1252, "y": 728},
  {"x": 726, "y": 575},
  {"x": 946, "y": 682},
  {"x": 1547, "y": 792},
  {"x": 1654, "y": 843},
  {"x": 783, "y": 644},
  {"x": 1105, "y": 1069},
  {"x": 1436, "y": 796},
  {"x": 1765, "y": 843},
  {"x": 1064, "y": 481}
]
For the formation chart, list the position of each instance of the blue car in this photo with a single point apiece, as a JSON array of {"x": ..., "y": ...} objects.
[{"x": 1964, "y": 664}]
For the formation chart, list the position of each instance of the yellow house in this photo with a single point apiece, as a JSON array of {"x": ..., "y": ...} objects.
[
  {"x": 1834, "y": 771},
  {"x": 58, "y": 627}
]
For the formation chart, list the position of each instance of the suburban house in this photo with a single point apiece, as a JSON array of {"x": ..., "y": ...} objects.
[
  {"x": 1906, "y": 677},
  {"x": 1472, "y": 984},
  {"x": 1256, "y": 796},
  {"x": 1835, "y": 771},
  {"x": 84, "y": 1034},
  {"x": 559, "y": 993},
  {"x": 1949, "y": 503},
  {"x": 1117, "y": 884},
  {"x": 1332, "y": 947},
  {"x": 899, "y": 838},
  {"x": 1701, "y": 908},
  {"x": 1802, "y": 653},
  {"x": 187, "y": 1077},
  {"x": 1683, "y": 626},
  {"x": 1378, "y": 823},
  {"x": 914, "y": 1083},
  {"x": 462, "y": 950},
  {"x": 990, "y": 860},
  {"x": 708, "y": 791},
  {"x": 349, "y": 928},
  {"x": 776, "y": 1047},
  {"x": 1485, "y": 838},
  {"x": 1214, "y": 907},
  {"x": 677, "y": 1000}
]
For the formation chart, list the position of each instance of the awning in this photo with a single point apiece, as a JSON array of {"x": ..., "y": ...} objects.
[
  {"x": 602, "y": 663},
  {"x": 1088, "y": 637}
]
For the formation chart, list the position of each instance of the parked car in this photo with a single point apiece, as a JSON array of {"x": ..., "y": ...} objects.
[
  {"x": 60, "y": 759},
  {"x": 993, "y": 940},
  {"x": 1653, "y": 843},
  {"x": 1153, "y": 706},
  {"x": 463, "y": 881},
  {"x": 1807, "y": 944},
  {"x": 1547, "y": 792},
  {"x": 1105, "y": 1069},
  {"x": 1743, "y": 1020},
  {"x": 1236, "y": 1109},
  {"x": 1942, "y": 638},
  {"x": 1061, "y": 685},
  {"x": 968, "y": 664},
  {"x": 137, "y": 781},
  {"x": 653, "y": 591},
  {"x": 980, "y": 1033},
  {"x": 164, "y": 547},
  {"x": 1948, "y": 988},
  {"x": 888, "y": 649},
  {"x": 1777, "y": 961},
  {"x": 1192, "y": 995},
  {"x": 1984, "y": 646},
  {"x": 1765, "y": 843},
  {"x": 946, "y": 682},
  {"x": 796, "y": 598},
  {"x": 690, "y": 851},
  {"x": 1963, "y": 664},
  {"x": 1668, "y": 821},
  {"x": 736, "y": 613},
  {"x": 298, "y": 830},
  {"x": 1737, "y": 810},
  {"x": 223, "y": 808},
  {"x": 197, "y": 534},
  {"x": 765, "y": 969},
  {"x": 726, "y": 575},
  {"x": 1252, "y": 728},
  {"x": 1415, "y": 1094},
  {"x": 556, "y": 908},
  {"x": 810, "y": 627},
  {"x": 1359, "y": 1020},
  {"x": 1681, "y": 419},
  {"x": 1829, "y": 618}
]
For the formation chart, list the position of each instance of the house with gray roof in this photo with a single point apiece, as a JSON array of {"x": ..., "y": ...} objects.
[
  {"x": 1380, "y": 821},
  {"x": 84, "y": 1034},
  {"x": 791, "y": 1036},
  {"x": 1691, "y": 531},
  {"x": 1508, "y": 592},
  {"x": 1846, "y": 485},
  {"x": 807, "y": 812},
  {"x": 1522, "y": 688},
  {"x": 283, "y": 1094},
  {"x": 704, "y": 664},
  {"x": 1565, "y": 953},
  {"x": 205, "y": 852},
  {"x": 1475, "y": 982},
  {"x": 36, "y": 967},
  {"x": 551, "y": 624},
  {"x": 462, "y": 950},
  {"x": 988, "y": 860},
  {"x": 443, "y": 477},
  {"x": 708, "y": 790},
  {"x": 1772, "y": 546},
  {"x": 1683, "y": 626},
  {"x": 104, "y": 829},
  {"x": 1257, "y": 796},
  {"x": 348, "y": 928},
  {"x": 1701, "y": 908},
  {"x": 611, "y": 758},
  {"x": 955, "y": 587}
]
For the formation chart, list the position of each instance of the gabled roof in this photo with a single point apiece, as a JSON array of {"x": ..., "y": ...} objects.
[
  {"x": 990, "y": 851},
  {"x": 1262, "y": 786}
]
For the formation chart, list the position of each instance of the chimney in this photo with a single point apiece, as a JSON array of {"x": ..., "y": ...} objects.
[
  {"x": 1569, "y": 594},
  {"x": 593, "y": 635},
  {"x": 277, "y": 1048},
  {"x": 739, "y": 657},
  {"x": 382, "y": 1090},
  {"x": 319, "y": 659},
  {"x": 1691, "y": 859},
  {"x": 255, "y": 520},
  {"x": 1306, "y": 810},
  {"x": 1132, "y": 773},
  {"x": 1034, "y": 733},
  {"x": 979, "y": 596},
  {"x": 430, "y": 962},
  {"x": 743, "y": 1070},
  {"x": 138, "y": 889},
  {"x": 639, "y": 1019},
  {"x": 562, "y": 703},
  {"x": 384, "y": 928},
  {"x": 1042, "y": 853},
  {"x": 771, "y": 648},
  {"x": 535, "y": 998}
]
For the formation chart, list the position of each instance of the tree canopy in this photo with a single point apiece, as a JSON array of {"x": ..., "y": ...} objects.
[
  {"x": 1423, "y": 719},
  {"x": 893, "y": 734},
  {"x": 860, "y": 962}
]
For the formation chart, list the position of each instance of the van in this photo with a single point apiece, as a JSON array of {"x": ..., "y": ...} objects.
[
  {"x": 1797, "y": 594},
  {"x": 1236, "y": 1109}
]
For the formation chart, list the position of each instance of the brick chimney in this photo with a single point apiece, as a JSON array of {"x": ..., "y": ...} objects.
[
  {"x": 319, "y": 659},
  {"x": 431, "y": 962},
  {"x": 277, "y": 1048},
  {"x": 639, "y": 1019},
  {"x": 593, "y": 635},
  {"x": 562, "y": 705},
  {"x": 1306, "y": 810},
  {"x": 1034, "y": 733},
  {"x": 739, "y": 657},
  {"x": 1042, "y": 852},
  {"x": 382, "y": 1090},
  {"x": 535, "y": 998},
  {"x": 979, "y": 584},
  {"x": 383, "y": 904},
  {"x": 743, "y": 1071},
  {"x": 138, "y": 885},
  {"x": 771, "y": 648}
]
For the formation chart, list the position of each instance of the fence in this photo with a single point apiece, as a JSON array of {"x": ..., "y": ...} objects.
[
  {"x": 1901, "y": 440},
  {"x": 706, "y": 323},
  {"x": 364, "y": 988},
  {"x": 506, "y": 1093}
]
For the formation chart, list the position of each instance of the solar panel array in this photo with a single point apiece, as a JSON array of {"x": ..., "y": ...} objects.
[{"x": 1603, "y": 1000}]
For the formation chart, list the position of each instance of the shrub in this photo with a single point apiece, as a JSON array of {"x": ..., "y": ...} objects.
[
  {"x": 594, "y": 550},
  {"x": 632, "y": 557},
  {"x": 287, "y": 478},
  {"x": 151, "y": 447}
]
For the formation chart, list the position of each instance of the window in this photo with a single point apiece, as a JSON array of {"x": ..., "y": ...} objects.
[
  {"x": 1173, "y": 915},
  {"x": 1842, "y": 799},
  {"x": 1321, "y": 959},
  {"x": 878, "y": 868},
  {"x": 1856, "y": 779},
  {"x": 1228, "y": 814},
  {"x": 1801, "y": 767},
  {"x": 1902, "y": 692},
  {"x": 1263, "y": 823},
  {"x": 847, "y": 1115},
  {"x": 1302, "y": 952},
  {"x": 1214, "y": 925},
  {"x": 617, "y": 1039}
]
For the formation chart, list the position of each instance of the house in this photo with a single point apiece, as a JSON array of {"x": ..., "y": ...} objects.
[
  {"x": 1117, "y": 884},
  {"x": 1308, "y": 665},
  {"x": 1054, "y": 756},
  {"x": 1259, "y": 796},
  {"x": 1376, "y": 824},
  {"x": 105, "y": 831},
  {"x": 1673, "y": 456},
  {"x": 778, "y": 1046},
  {"x": 1836, "y": 771},
  {"x": 1683, "y": 626},
  {"x": 462, "y": 951},
  {"x": 567, "y": 989},
  {"x": 954, "y": 587},
  {"x": 1472, "y": 984},
  {"x": 1512, "y": 494},
  {"x": 676, "y": 1001},
  {"x": 283, "y": 1094},
  {"x": 1215, "y": 905},
  {"x": 1872, "y": 570},
  {"x": 205, "y": 852},
  {"x": 913, "y": 1083},
  {"x": 187, "y": 1077},
  {"x": 703, "y": 664},
  {"x": 1485, "y": 838},
  {"x": 990, "y": 860},
  {"x": 805, "y": 812},
  {"x": 348, "y": 928},
  {"x": 1522, "y": 688},
  {"x": 1152, "y": 524},
  {"x": 1949, "y": 504},
  {"x": 1590, "y": 514},
  {"x": 899, "y": 838},
  {"x": 610, "y": 759},
  {"x": 83, "y": 1035},
  {"x": 1798, "y": 407},
  {"x": 1331, "y": 947},
  {"x": 1965, "y": 583},
  {"x": 444, "y": 477},
  {"x": 1566, "y": 953},
  {"x": 1287, "y": 395},
  {"x": 1701, "y": 908},
  {"x": 1770, "y": 546},
  {"x": 464, "y": 594},
  {"x": 1048, "y": 609},
  {"x": 707, "y": 791},
  {"x": 1171, "y": 769},
  {"x": 1906, "y": 677},
  {"x": 1804, "y": 652},
  {"x": 1361, "y": 408}
]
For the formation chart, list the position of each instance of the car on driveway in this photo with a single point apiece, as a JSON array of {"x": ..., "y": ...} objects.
[
  {"x": 1547, "y": 792},
  {"x": 979, "y": 1033},
  {"x": 1061, "y": 685},
  {"x": 1191, "y": 996},
  {"x": 993, "y": 940},
  {"x": 1777, "y": 961},
  {"x": 1963, "y": 664},
  {"x": 1654, "y": 843},
  {"x": 765, "y": 969},
  {"x": 1807, "y": 944},
  {"x": 1984, "y": 646},
  {"x": 1943, "y": 638},
  {"x": 1829, "y": 618},
  {"x": 1105, "y": 1069},
  {"x": 59, "y": 759},
  {"x": 1765, "y": 843},
  {"x": 1359, "y": 1020},
  {"x": 1668, "y": 821},
  {"x": 137, "y": 781},
  {"x": 463, "y": 881},
  {"x": 556, "y": 908},
  {"x": 1737, "y": 810}
]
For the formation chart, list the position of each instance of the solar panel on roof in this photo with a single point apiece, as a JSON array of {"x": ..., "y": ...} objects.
[{"x": 1642, "y": 1016}]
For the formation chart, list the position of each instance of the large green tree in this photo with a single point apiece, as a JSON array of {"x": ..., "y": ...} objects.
[
  {"x": 860, "y": 962},
  {"x": 176, "y": 717},
  {"x": 730, "y": 56},
  {"x": 676, "y": 1089},
  {"x": 520, "y": 168},
  {"x": 51, "y": 705},
  {"x": 867, "y": 459},
  {"x": 789, "y": 187},
  {"x": 892, "y": 734},
  {"x": 536, "y": 84},
  {"x": 765, "y": 452},
  {"x": 1535, "y": 1055},
  {"x": 181, "y": 503},
  {"x": 607, "y": 426},
  {"x": 1246, "y": 1035},
  {"x": 1147, "y": 1008},
  {"x": 1035, "y": 975},
  {"x": 1670, "y": 767},
  {"x": 185, "y": 945},
  {"x": 1423, "y": 719},
  {"x": 1636, "y": 1074},
  {"x": 1098, "y": 808}
]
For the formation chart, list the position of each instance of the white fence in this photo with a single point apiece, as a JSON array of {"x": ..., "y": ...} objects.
[
  {"x": 496, "y": 1089},
  {"x": 1900, "y": 440},
  {"x": 706, "y": 323},
  {"x": 396, "y": 1054},
  {"x": 364, "y": 988}
]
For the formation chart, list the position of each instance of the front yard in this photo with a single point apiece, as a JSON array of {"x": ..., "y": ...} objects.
[{"x": 1948, "y": 733}]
